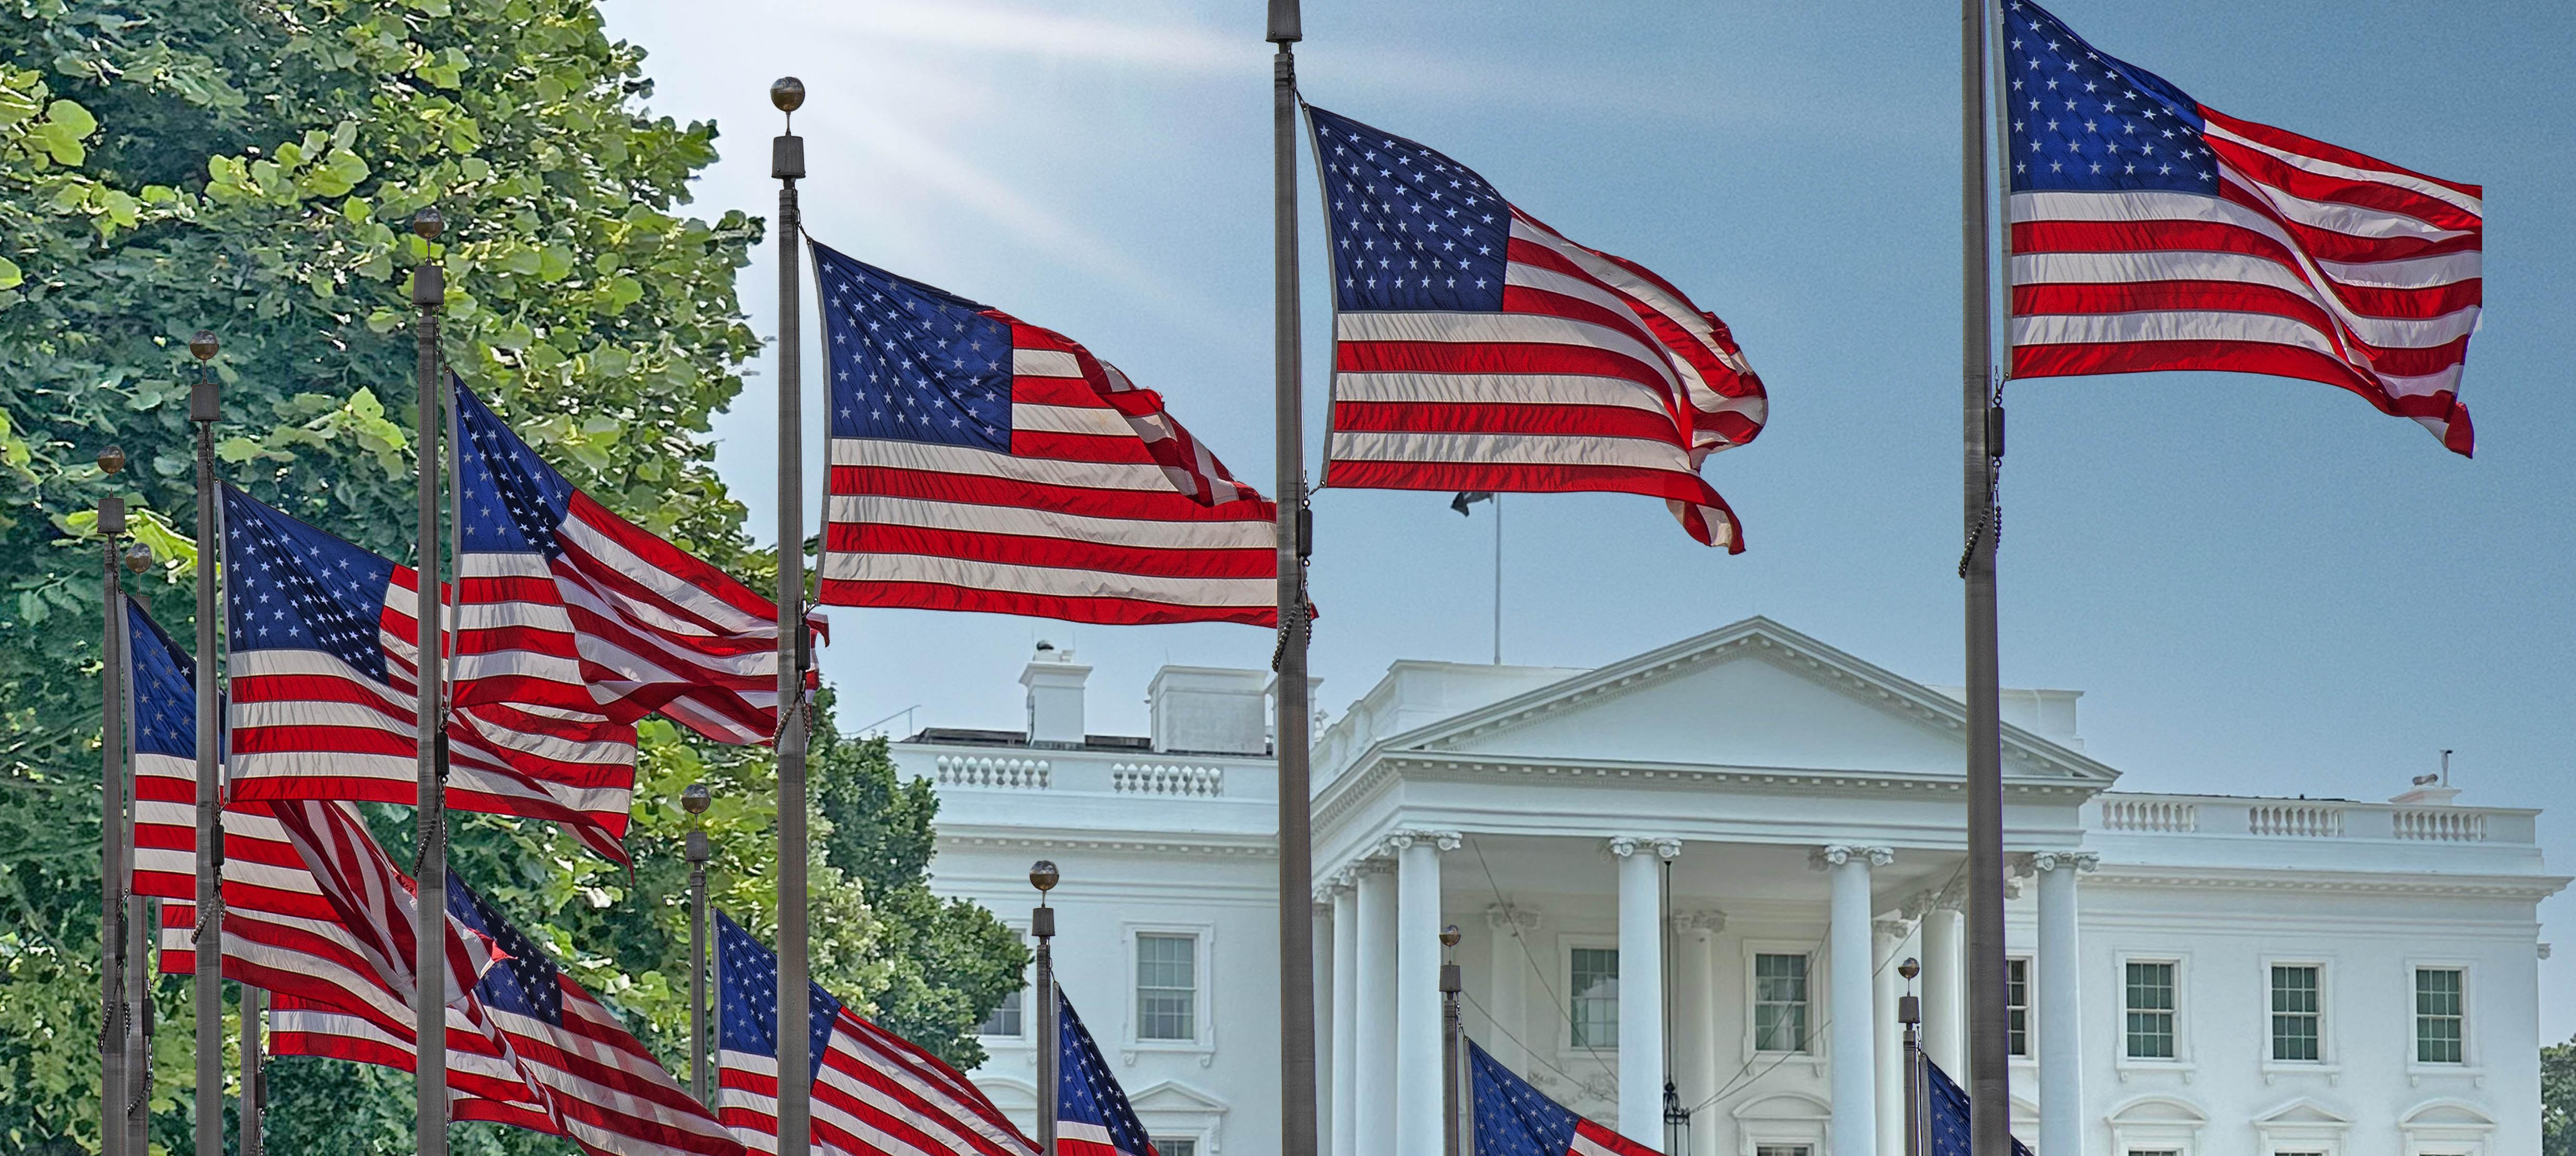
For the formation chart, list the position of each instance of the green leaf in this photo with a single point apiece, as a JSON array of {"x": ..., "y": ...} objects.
[{"x": 10, "y": 275}]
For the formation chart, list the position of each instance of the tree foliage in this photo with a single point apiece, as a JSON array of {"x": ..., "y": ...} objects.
[
  {"x": 248, "y": 166},
  {"x": 2558, "y": 1099}
]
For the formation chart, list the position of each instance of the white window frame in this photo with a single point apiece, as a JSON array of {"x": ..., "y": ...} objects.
[
  {"x": 2461, "y": 1138},
  {"x": 2181, "y": 1061},
  {"x": 2468, "y": 1065},
  {"x": 1819, "y": 995},
  {"x": 2030, "y": 1007},
  {"x": 1203, "y": 974},
  {"x": 2326, "y": 1061},
  {"x": 2134, "y": 1137},
  {"x": 1028, "y": 1002},
  {"x": 1566, "y": 1048}
]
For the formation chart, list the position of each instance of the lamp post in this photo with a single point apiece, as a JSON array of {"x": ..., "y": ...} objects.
[
  {"x": 113, "y": 833},
  {"x": 1043, "y": 876},
  {"x": 1453, "y": 1037},
  {"x": 694, "y": 799}
]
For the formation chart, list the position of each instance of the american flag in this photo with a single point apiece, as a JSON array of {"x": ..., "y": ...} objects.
[
  {"x": 322, "y": 700},
  {"x": 2151, "y": 232},
  {"x": 982, "y": 463},
  {"x": 1945, "y": 1114},
  {"x": 161, "y": 681},
  {"x": 874, "y": 1092},
  {"x": 1515, "y": 1119},
  {"x": 1477, "y": 349},
  {"x": 572, "y": 622},
  {"x": 1092, "y": 1115}
]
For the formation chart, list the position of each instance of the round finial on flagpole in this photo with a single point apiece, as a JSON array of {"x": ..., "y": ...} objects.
[
  {"x": 1449, "y": 936},
  {"x": 1909, "y": 969},
  {"x": 1043, "y": 875},
  {"x": 111, "y": 460},
  {"x": 138, "y": 557},
  {"x": 788, "y": 93},
  {"x": 427, "y": 224},
  {"x": 204, "y": 345},
  {"x": 695, "y": 798}
]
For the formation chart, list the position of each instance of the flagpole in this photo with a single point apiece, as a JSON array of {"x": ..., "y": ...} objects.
[
  {"x": 1296, "y": 865},
  {"x": 795, "y": 1084},
  {"x": 205, "y": 407},
  {"x": 1043, "y": 876},
  {"x": 139, "y": 916},
  {"x": 113, "y": 1068},
  {"x": 1909, "y": 1012},
  {"x": 694, "y": 799},
  {"x": 1989, "y": 1074},
  {"x": 1498, "y": 578},
  {"x": 429, "y": 962},
  {"x": 1452, "y": 1036},
  {"x": 254, "y": 1074}
]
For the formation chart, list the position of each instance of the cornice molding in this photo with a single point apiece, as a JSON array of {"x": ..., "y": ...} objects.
[
  {"x": 1132, "y": 845},
  {"x": 2532, "y": 888}
]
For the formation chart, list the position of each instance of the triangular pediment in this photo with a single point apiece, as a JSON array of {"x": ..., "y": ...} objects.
[
  {"x": 1754, "y": 694},
  {"x": 1174, "y": 1096}
]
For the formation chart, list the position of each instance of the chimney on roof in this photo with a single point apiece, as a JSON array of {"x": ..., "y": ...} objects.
[{"x": 1054, "y": 681}]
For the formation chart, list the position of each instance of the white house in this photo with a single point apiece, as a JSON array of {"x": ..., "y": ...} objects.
[{"x": 1705, "y": 862}]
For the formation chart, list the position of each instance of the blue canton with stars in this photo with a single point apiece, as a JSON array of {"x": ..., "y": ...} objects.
[
  {"x": 910, "y": 362},
  {"x": 1412, "y": 230},
  {"x": 165, "y": 691},
  {"x": 2085, "y": 121},
  {"x": 523, "y": 984},
  {"x": 288, "y": 586},
  {"x": 747, "y": 999},
  {"x": 1085, "y": 1091},
  {"x": 1948, "y": 1104},
  {"x": 511, "y": 500},
  {"x": 1513, "y": 1118}
]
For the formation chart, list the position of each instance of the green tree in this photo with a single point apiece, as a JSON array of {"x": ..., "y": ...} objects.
[
  {"x": 2558, "y": 1099},
  {"x": 167, "y": 165}
]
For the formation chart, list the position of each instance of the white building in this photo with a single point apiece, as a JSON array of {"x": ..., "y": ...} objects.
[{"x": 1719, "y": 851}]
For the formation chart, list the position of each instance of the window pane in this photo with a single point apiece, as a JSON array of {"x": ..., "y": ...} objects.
[
  {"x": 2439, "y": 1016},
  {"x": 2017, "y": 1006},
  {"x": 1780, "y": 1003},
  {"x": 1593, "y": 978},
  {"x": 2296, "y": 1013},
  {"x": 1167, "y": 1146},
  {"x": 1167, "y": 987},
  {"x": 1781, "y": 1150},
  {"x": 2149, "y": 995}
]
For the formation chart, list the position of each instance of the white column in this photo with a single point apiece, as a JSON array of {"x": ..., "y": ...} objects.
[
  {"x": 1945, "y": 988},
  {"x": 1418, "y": 1098},
  {"x": 1510, "y": 977},
  {"x": 2061, "y": 999},
  {"x": 1695, "y": 1020},
  {"x": 1323, "y": 973},
  {"x": 1374, "y": 1066},
  {"x": 1641, "y": 986},
  {"x": 1345, "y": 1135},
  {"x": 1886, "y": 1036},
  {"x": 1854, "y": 1084}
]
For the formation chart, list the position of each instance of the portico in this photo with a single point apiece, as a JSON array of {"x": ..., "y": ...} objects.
[{"x": 1775, "y": 822}]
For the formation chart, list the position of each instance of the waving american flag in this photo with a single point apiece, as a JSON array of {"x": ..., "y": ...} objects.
[
  {"x": 983, "y": 463},
  {"x": 323, "y": 707},
  {"x": 874, "y": 1092},
  {"x": 2151, "y": 232},
  {"x": 572, "y": 622},
  {"x": 1515, "y": 1119},
  {"x": 1093, "y": 1117},
  {"x": 1477, "y": 349}
]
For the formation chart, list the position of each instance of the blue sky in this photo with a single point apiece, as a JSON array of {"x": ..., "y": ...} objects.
[{"x": 2262, "y": 585}]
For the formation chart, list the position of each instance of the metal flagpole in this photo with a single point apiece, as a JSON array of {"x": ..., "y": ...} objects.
[
  {"x": 1981, "y": 436},
  {"x": 205, "y": 408},
  {"x": 1498, "y": 579},
  {"x": 1909, "y": 1012},
  {"x": 796, "y": 1090},
  {"x": 112, "y": 854},
  {"x": 694, "y": 799},
  {"x": 1453, "y": 1038},
  {"x": 140, "y": 917},
  {"x": 1295, "y": 533},
  {"x": 429, "y": 998},
  {"x": 1043, "y": 876},
  {"x": 254, "y": 1085}
]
